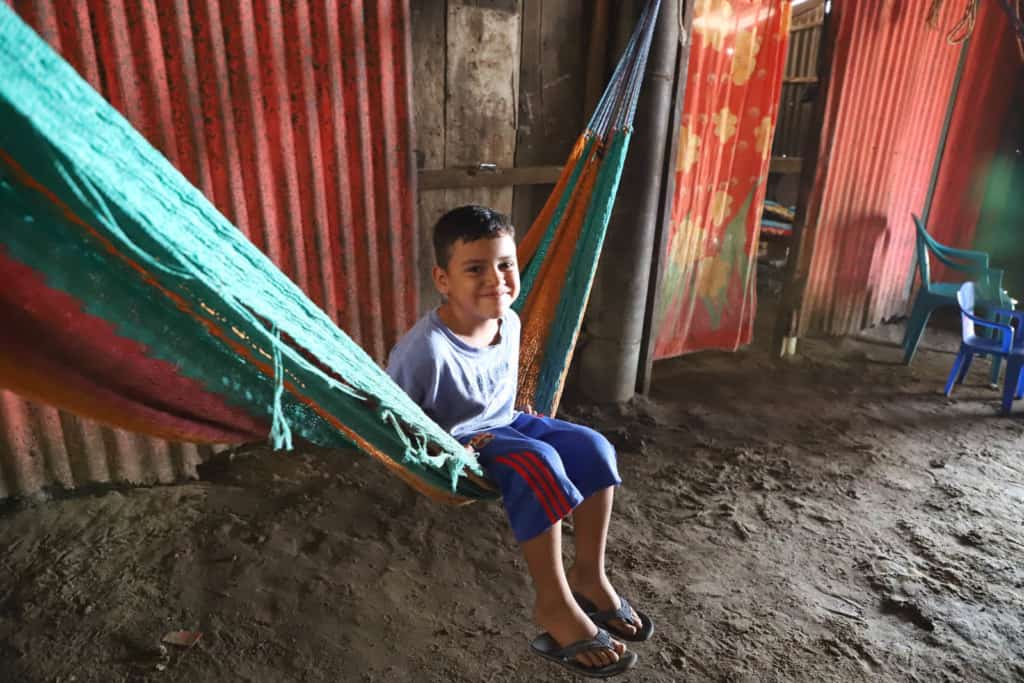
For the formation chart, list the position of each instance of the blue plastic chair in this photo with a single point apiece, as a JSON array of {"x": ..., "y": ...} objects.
[
  {"x": 933, "y": 295},
  {"x": 998, "y": 345},
  {"x": 1013, "y": 384}
]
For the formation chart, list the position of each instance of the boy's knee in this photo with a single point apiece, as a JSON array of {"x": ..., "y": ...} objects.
[
  {"x": 601, "y": 446},
  {"x": 599, "y": 466},
  {"x": 606, "y": 456}
]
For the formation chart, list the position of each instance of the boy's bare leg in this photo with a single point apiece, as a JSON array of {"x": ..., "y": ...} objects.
[
  {"x": 556, "y": 611},
  {"x": 587, "y": 576}
]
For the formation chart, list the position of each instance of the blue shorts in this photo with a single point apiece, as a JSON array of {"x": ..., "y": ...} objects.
[{"x": 545, "y": 468}]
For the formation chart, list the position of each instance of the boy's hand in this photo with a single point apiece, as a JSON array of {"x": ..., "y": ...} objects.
[
  {"x": 479, "y": 441},
  {"x": 528, "y": 409}
]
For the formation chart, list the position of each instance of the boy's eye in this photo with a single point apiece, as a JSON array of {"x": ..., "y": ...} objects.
[
  {"x": 505, "y": 265},
  {"x": 473, "y": 269}
]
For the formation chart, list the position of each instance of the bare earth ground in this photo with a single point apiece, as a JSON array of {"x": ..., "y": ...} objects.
[{"x": 829, "y": 518}]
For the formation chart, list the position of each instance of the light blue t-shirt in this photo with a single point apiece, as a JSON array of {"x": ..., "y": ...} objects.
[{"x": 463, "y": 388}]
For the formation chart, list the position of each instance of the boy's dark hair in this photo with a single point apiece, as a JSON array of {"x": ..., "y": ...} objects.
[{"x": 468, "y": 223}]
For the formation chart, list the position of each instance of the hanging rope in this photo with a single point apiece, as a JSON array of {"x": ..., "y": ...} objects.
[
  {"x": 963, "y": 28},
  {"x": 933, "y": 14},
  {"x": 1020, "y": 36}
]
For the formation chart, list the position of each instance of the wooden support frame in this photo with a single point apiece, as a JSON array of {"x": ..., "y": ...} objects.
[
  {"x": 785, "y": 165},
  {"x": 487, "y": 176}
]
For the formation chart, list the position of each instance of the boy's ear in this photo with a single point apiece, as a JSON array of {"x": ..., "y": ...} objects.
[{"x": 440, "y": 279}]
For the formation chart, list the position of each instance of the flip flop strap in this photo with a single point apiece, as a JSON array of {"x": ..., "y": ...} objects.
[
  {"x": 624, "y": 612},
  {"x": 601, "y": 641}
]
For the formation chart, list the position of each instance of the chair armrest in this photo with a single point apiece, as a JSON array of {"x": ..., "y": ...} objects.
[
  {"x": 1006, "y": 336},
  {"x": 965, "y": 266},
  {"x": 981, "y": 257},
  {"x": 1016, "y": 316},
  {"x": 1018, "y": 323}
]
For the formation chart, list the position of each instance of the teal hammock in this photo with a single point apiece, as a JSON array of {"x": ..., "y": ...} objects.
[{"x": 131, "y": 300}]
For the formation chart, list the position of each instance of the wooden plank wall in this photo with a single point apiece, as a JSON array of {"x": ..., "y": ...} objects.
[
  {"x": 498, "y": 82},
  {"x": 551, "y": 93}
]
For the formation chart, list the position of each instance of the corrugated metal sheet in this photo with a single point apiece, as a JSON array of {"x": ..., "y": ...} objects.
[
  {"x": 890, "y": 83},
  {"x": 293, "y": 117},
  {"x": 42, "y": 447},
  {"x": 978, "y": 122}
]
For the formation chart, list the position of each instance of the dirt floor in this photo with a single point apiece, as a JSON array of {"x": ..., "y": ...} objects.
[{"x": 827, "y": 518}]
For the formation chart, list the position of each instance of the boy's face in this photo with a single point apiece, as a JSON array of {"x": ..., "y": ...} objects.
[{"x": 482, "y": 278}]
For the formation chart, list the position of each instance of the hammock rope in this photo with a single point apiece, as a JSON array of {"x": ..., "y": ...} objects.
[{"x": 185, "y": 330}]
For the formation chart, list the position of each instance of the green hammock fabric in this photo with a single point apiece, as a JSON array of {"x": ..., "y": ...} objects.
[{"x": 94, "y": 213}]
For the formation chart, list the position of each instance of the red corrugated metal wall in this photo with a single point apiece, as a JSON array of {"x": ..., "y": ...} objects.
[
  {"x": 979, "y": 117},
  {"x": 889, "y": 87},
  {"x": 293, "y": 117}
]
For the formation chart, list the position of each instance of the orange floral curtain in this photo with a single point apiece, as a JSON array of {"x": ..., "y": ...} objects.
[{"x": 733, "y": 86}]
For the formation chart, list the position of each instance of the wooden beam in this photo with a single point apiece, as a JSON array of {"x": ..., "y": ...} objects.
[
  {"x": 785, "y": 165},
  {"x": 451, "y": 178},
  {"x": 806, "y": 27}
]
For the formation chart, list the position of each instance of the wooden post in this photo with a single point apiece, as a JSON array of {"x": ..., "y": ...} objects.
[
  {"x": 609, "y": 361},
  {"x": 794, "y": 279},
  {"x": 650, "y": 333}
]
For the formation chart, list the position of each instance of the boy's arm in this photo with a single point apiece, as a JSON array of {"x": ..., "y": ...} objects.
[
  {"x": 405, "y": 375},
  {"x": 417, "y": 373}
]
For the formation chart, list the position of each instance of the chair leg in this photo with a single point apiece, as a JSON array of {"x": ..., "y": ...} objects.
[
  {"x": 956, "y": 373},
  {"x": 993, "y": 378},
  {"x": 968, "y": 357},
  {"x": 997, "y": 361},
  {"x": 915, "y": 328},
  {"x": 1011, "y": 383}
]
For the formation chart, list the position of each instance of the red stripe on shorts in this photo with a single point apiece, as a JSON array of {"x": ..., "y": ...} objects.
[
  {"x": 536, "y": 464},
  {"x": 559, "y": 494},
  {"x": 537, "y": 491}
]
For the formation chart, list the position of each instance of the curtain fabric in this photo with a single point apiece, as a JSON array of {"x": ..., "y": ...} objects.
[{"x": 732, "y": 92}]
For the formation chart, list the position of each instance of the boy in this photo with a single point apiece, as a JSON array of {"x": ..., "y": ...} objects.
[{"x": 460, "y": 364}]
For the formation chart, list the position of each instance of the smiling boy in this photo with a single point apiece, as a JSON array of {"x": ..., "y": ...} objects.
[{"x": 460, "y": 364}]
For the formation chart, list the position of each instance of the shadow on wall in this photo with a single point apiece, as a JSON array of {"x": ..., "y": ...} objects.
[
  {"x": 861, "y": 253},
  {"x": 891, "y": 14}
]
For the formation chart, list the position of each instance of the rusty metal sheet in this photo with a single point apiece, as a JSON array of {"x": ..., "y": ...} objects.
[
  {"x": 890, "y": 84},
  {"x": 294, "y": 118},
  {"x": 976, "y": 128}
]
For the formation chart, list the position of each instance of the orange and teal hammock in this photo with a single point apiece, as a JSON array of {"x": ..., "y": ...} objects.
[{"x": 126, "y": 297}]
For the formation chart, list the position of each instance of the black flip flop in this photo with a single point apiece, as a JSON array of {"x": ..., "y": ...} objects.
[
  {"x": 548, "y": 648},
  {"x": 603, "y": 619}
]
